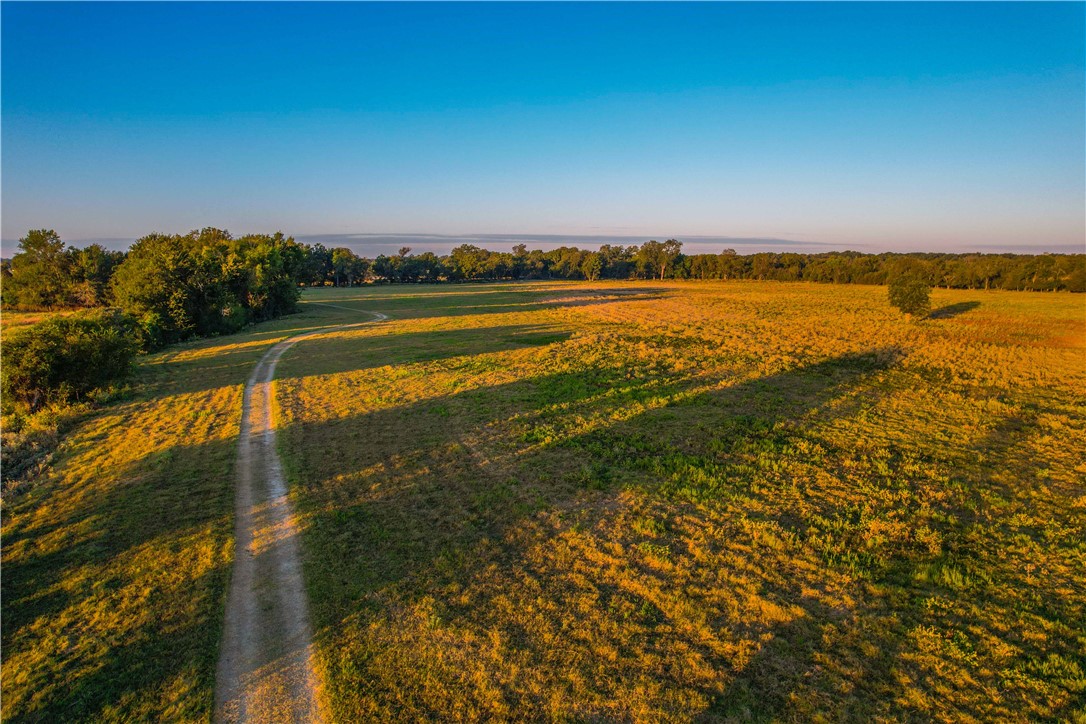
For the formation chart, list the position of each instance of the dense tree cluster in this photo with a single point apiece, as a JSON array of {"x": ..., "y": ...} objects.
[
  {"x": 1021, "y": 272},
  {"x": 664, "y": 260},
  {"x": 207, "y": 282},
  {"x": 179, "y": 286},
  {"x": 340, "y": 266},
  {"x": 46, "y": 275}
]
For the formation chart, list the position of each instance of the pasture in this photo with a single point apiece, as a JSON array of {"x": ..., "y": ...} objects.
[
  {"x": 591, "y": 501},
  {"x": 652, "y": 502}
]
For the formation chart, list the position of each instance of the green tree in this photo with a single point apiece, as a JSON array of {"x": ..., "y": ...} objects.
[
  {"x": 592, "y": 266},
  {"x": 385, "y": 267},
  {"x": 428, "y": 267},
  {"x": 347, "y": 265},
  {"x": 153, "y": 285},
  {"x": 520, "y": 261},
  {"x": 656, "y": 258},
  {"x": 318, "y": 265},
  {"x": 617, "y": 261},
  {"x": 272, "y": 267},
  {"x": 911, "y": 293},
  {"x": 90, "y": 270},
  {"x": 39, "y": 273},
  {"x": 207, "y": 282},
  {"x": 468, "y": 261}
]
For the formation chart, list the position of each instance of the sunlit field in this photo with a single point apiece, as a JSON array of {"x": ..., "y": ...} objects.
[
  {"x": 11, "y": 320},
  {"x": 115, "y": 563},
  {"x": 660, "y": 502},
  {"x": 610, "y": 501}
]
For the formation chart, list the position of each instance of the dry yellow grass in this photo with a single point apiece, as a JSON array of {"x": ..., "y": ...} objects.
[
  {"x": 115, "y": 562},
  {"x": 12, "y": 319},
  {"x": 645, "y": 502},
  {"x": 638, "y": 502}
]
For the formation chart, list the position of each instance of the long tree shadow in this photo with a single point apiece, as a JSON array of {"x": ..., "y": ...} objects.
[
  {"x": 158, "y": 499},
  {"x": 403, "y": 503},
  {"x": 336, "y": 353},
  {"x": 94, "y": 568},
  {"x": 762, "y": 689},
  {"x": 953, "y": 310},
  {"x": 192, "y": 373},
  {"x": 131, "y": 679},
  {"x": 416, "y": 499},
  {"x": 157, "y": 496},
  {"x": 406, "y": 503},
  {"x": 442, "y": 301}
]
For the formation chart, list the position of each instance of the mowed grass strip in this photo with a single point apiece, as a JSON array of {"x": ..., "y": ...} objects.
[
  {"x": 660, "y": 502},
  {"x": 115, "y": 563}
]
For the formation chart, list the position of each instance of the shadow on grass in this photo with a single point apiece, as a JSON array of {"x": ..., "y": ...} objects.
[
  {"x": 132, "y": 680},
  {"x": 71, "y": 572},
  {"x": 402, "y": 499},
  {"x": 451, "y": 300},
  {"x": 953, "y": 310},
  {"x": 332, "y": 355}
]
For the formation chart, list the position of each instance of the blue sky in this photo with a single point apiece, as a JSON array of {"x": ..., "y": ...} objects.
[{"x": 874, "y": 126}]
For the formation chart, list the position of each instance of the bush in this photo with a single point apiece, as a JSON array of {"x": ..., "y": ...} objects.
[
  {"x": 911, "y": 294},
  {"x": 65, "y": 359}
]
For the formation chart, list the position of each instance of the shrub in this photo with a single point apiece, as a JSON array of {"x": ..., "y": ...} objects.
[
  {"x": 911, "y": 294},
  {"x": 64, "y": 359},
  {"x": 29, "y": 440}
]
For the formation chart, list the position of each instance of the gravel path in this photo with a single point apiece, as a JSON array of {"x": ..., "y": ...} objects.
[{"x": 265, "y": 671}]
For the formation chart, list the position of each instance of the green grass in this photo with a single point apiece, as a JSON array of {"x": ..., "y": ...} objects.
[{"x": 571, "y": 501}]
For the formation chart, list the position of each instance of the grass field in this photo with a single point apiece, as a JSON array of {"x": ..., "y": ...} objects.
[
  {"x": 627, "y": 502},
  {"x": 638, "y": 502},
  {"x": 115, "y": 563}
]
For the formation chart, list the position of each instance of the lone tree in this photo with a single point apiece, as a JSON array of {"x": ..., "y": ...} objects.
[{"x": 911, "y": 294}]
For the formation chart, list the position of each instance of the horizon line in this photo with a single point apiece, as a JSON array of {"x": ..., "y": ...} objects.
[{"x": 695, "y": 242}]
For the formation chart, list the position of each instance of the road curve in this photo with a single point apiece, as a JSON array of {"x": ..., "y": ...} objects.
[{"x": 265, "y": 671}]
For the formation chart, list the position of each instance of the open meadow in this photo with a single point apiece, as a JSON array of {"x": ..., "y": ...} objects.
[
  {"x": 650, "y": 502},
  {"x": 647, "y": 501}
]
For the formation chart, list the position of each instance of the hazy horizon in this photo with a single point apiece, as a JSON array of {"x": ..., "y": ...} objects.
[
  {"x": 373, "y": 244},
  {"x": 876, "y": 127}
]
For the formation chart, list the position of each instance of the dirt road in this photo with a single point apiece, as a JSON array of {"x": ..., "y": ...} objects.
[{"x": 265, "y": 671}]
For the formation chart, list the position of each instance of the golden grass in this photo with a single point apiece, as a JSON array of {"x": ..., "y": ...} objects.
[
  {"x": 735, "y": 500},
  {"x": 592, "y": 501},
  {"x": 11, "y": 319},
  {"x": 115, "y": 561}
]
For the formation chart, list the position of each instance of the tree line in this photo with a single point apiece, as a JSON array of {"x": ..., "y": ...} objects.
[
  {"x": 164, "y": 289},
  {"x": 665, "y": 260},
  {"x": 207, "y": 282}
]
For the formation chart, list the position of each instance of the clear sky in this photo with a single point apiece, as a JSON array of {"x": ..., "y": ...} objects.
[{"x": 877, "y": 126}]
